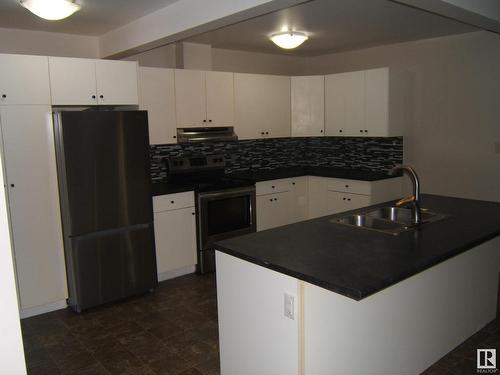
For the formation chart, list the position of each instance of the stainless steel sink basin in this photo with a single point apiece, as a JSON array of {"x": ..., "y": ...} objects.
[
  {"x": 391, "y": 220},
  {"x": 402, "y": 215}
]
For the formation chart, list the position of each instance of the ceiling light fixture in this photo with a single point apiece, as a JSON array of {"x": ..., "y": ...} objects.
[
  {"x": 51, "y": 9},
  {"x": 289, "y": 39}
]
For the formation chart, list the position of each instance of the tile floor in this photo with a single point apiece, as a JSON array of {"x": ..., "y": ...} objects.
[{"x": 171, "y": 331}]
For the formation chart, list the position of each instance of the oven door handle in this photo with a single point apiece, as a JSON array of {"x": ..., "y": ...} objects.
[{"x": 227, "y": 193}]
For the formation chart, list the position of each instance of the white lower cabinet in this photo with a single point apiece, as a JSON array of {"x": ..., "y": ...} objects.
[
  {"x": 317, "y": 189},
  {"x": 31, "y": 178},
  {"x": 273, "y": 210},
  {"x": 300, "y": 199},
  {"x": 340, "y": 202},
  {"x": 175, "y": 234},
  {"x": 290, "y": 200}
]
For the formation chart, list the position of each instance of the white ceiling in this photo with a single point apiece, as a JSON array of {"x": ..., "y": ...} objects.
[
  {"x": 96, "y": 17},
  {"x": 333, "y": 26}
]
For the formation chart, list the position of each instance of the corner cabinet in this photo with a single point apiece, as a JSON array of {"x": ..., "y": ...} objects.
[
  {"x": 262, "y": 106},
  {"x": 368, "y": 103},
  {"x": 31, "y": 178},
  {"x": 157, "y": 96},
  {"x": 75, "y": 81},
  {"x": 204, "y": 99},
  {"x": 175, "y": 234},
  {"x": 24, "y": 79},
  {"x": 308, "y": 106}
]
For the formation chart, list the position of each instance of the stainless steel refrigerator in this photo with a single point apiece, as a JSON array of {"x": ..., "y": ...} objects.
[{"x": 106, "y": 204}]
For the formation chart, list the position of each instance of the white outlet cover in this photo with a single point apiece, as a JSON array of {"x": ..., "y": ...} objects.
[{"x": 289, "y": 306}]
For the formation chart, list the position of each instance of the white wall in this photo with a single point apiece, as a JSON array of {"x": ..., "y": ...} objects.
[
  {"x": 45, "y": 43},
  {"x": 197, "y": 56},
  {"x": 254, "y": 62},
  {"x": 11, "y": 345},
  {"x": 457, "y": 112},
  {"x": 161, "y": 57}
]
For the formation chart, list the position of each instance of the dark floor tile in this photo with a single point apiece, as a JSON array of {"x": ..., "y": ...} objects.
[
  {"x": 191, "y": 371},
  {"x": 165, "y": 330},
  {"x": 210, "y": 367},
  {"x": 39, "y": 358},
  {"x": 169, "y": 364},
  {"x": 43, "y": 370},
  {"x": 117, "y": 360},
  {"x": 144, "y": 346},
  {"x": 95, "y": 369},
  {"x": 191, "y": 348}
]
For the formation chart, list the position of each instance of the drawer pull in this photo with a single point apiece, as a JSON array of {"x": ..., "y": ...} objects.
[
  {"x": 273, "y": 186},
  {"x": 275, "y": 199},
  {"x": 172, "y": 202},
  {"x": 270, "y": 199},
  {"x": 347, "y": 186}
]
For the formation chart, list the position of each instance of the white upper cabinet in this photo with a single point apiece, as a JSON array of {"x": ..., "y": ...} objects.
[
  {"x": 157, "y": 96},
  {"x": 365, "y": 103},
  {"x": 116, "y": 82},
  {"x": 72, "y": 81},
  {"x": 76, "y": 81},
  {"x": 220, "y": 98},
  {"x": 24, "y": 79},
  {"x": 190, "y": 98},
  {"x": 204, "y": 98},
  {"x": 386, "y": 91},
  {"x": 262, "y": 106},
  {"x": 344, "y": 104},
  {"x": 308, "y": 106}
]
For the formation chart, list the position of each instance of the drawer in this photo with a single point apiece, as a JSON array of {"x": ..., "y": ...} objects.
[
  {"x": 273, "y": 186},
  {"x": 350, "y": 186},
  {"x": 173, "y": 201}
]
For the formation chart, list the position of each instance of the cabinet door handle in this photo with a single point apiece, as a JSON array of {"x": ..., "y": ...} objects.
[
  {"x": 270, "y": 199},
  {"x": 361, "y": 131},
  {"x": 192, "y": 213},
  {"x": 172, "y": 202},
  {"x": 205, "y": 120},
  {"x": 209, "y": 120},
  {"x": 349, "y": 199},
  {"x": 347, "y": 186},
  {"x": 262, "y": 133},
  {"x": 275, "y": 199},
  {"x": 101, "y": 96},
  {"x": 273, "y": 186},
  {"x": 12, "y": 185},
  {"x": 174, "y": 136},
  {"x": 366, "y": 131},
  {"x": 267, "y": 133},
  {"x": 321, "y": 131},
  {"x": 4, "y": 96},
  {"x": 93, "y": 96},
  {"x": 340, "y": 130},
  {"x": 343, "y": 199},
  {"x": 293, "y": 183}
]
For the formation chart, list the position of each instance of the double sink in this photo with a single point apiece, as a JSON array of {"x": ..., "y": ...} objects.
[{"x": 390, "y": 220}]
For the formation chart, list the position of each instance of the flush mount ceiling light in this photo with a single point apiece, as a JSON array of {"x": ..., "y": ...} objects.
[
  {"x": 51, "y": 9},
  {"x": 289, "y": 39}
]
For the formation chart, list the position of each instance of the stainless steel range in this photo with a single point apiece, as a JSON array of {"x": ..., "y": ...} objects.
[{"x": 225, "y": 206}]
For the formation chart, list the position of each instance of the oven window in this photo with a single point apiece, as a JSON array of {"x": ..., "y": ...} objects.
[{"x": 227, "y": 215}]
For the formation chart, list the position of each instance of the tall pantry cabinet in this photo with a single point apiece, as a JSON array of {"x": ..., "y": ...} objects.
[{"x": 31, "y": 179}]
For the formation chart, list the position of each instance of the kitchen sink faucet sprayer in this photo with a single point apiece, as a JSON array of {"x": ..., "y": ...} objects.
[{"x": 412, "y": 200}]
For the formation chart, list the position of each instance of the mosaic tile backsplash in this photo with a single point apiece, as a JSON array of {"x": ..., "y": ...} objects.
[{"x": 372, "y": 154}]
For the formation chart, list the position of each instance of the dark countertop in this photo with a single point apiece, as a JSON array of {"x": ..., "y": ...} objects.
[
  {"x": 358, "y": 262},
  {"x": 161, "y": 188}
]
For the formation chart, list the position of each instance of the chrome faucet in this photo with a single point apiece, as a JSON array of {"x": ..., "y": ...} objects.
[{"x": 413, "y": 200}]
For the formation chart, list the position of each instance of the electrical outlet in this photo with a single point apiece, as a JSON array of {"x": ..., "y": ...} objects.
[
  {"x": 289, "y": 306},
  {"x": 497, "y": 147}
]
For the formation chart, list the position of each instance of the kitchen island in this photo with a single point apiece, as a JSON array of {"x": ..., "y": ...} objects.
[{"x": 318, "y": 297}]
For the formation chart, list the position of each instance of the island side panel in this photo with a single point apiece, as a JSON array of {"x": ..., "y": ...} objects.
[
  {"x": 255, "y": 337},
  {"x": 407, "y": 327}
]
